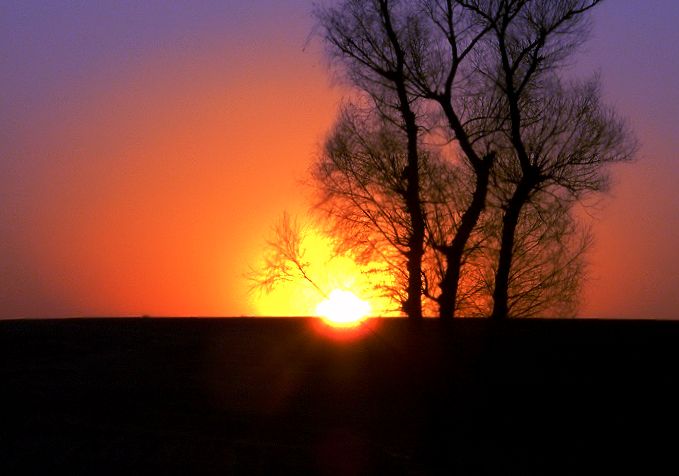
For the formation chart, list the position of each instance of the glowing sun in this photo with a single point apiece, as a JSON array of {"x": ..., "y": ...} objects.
[{"x": 343, "y": 309}]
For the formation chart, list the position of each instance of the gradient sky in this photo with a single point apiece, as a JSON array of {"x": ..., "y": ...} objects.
[{"x": 146, "y": 148}]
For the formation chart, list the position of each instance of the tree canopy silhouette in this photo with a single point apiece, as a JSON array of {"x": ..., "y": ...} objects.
[{"x": 462, "y": 151}]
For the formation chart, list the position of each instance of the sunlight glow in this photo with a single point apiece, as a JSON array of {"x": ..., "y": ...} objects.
[
  {"x": 343, "y": 309},
  {"x": 329, "y": 270}
]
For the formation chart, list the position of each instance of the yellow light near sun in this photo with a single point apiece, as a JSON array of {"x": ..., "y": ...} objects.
[
  {"x": 297, "y": 297},
  {"x": 343, "y": 309}
]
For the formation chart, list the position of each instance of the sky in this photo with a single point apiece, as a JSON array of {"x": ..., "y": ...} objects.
[{"x": 146, "y": 149}]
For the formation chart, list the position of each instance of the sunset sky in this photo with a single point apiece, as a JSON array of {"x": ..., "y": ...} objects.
[{"x": 147, "y": 147}]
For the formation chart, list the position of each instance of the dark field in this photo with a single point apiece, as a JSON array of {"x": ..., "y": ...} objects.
[{"x": 275, "y": 396}]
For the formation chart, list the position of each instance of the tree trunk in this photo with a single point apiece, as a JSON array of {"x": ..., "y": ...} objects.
[
  {"x": 454, "y": 253},
  {"x": 510, "y": 221},
  {"x": 413, "y": 304}
]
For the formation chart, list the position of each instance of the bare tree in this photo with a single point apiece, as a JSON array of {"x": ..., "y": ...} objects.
[
  {"x": 362, "y": 190},
  {"x": 422, "y": 54},
  {"x": 443, "y": 72},
  {"x": 366, "y": 38},
  {"x": 492, "y": 68},
  {"x": 568, "y": 145},
  {"x": 484, "y": 75},
  {"x": 548, "y": 266},
  {"x": 557, "y": 138}
]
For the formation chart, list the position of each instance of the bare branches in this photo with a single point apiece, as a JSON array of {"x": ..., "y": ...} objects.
[
  {"x": 491, "y": 209},
  {"x": 371, "y": 40},
  {"x": 361, "y": 181},
  {"x": 285, "y": 259},
  {"x": 576, "y": 137}
]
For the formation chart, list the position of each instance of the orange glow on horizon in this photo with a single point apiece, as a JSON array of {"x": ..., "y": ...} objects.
[
  {"x": 159, "y": 205},
  {"x": 297, "y": 297},
  {"x": 343, "y": 309}
]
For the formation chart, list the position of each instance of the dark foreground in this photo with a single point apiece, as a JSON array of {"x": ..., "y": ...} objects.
[{"x": 265, "y": 396}]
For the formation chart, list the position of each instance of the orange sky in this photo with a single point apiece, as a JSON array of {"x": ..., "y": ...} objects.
[
  {"x": 190, "y": 172},
  {"x": 144, "y": 178}
]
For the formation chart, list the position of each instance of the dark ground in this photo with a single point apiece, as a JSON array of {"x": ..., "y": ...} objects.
[{"x": 274, "y": 396}]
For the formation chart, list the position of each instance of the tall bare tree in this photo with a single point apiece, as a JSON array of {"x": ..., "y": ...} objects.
[
  {"x": 484, "y": 75},
  {"x": 426, "y": 61},
  {"x": 366, "y": 38},
  {"x": 558, "y": 138},
  {"x": 362, "y": 196},
  {"x": 443, "y": 72}
]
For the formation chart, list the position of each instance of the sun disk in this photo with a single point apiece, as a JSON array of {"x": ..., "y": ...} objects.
[{"x": 343, "y": 309}]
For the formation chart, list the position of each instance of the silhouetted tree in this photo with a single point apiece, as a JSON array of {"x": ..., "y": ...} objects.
[
  {"x": 557, "y": 139},
  {"x": 421, "y": 53},
  {"x": 363, "y": 190},
  {"x": 486, "y": 217},
  {"x": 491, "y": 66},
  {"x": 548, "y": 266},
  {"x": 489, "y": 69},
  {"x": 366, "y": 38},
  {"x": 443, "y": 49}
]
